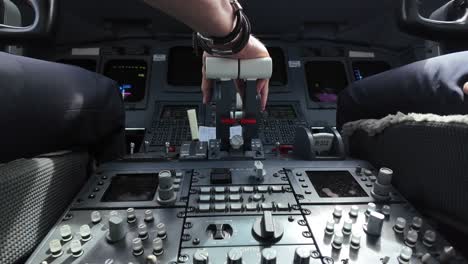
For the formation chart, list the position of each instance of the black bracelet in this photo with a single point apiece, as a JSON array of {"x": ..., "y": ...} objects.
[{"x": 231, "y": 44}]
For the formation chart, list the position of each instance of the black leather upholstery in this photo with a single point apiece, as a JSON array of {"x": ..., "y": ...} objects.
[
  {"x": 2, "y": 11},
  {"x": 428, "y": 86},
  {"x": 46, "y": 106}
]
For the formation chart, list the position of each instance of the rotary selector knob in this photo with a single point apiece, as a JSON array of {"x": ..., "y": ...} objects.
[
  {"x": 236, "y": 141},
  {"x": 302, "y": 255},
  {"x": 405, "y": 255},
  {"x": 268, "y": 256},
  {"x": 385, "y": 176},
  {"x": 267, "y": 229},
  {"x": 166, "y": 193},
  {"x": 234, "y": 256},
  {"x": 117, "y": 230},
  {"x": 374, "y": 224},
  {"x": 200, "y": 257},
  {"x": 55, "y": 247}
]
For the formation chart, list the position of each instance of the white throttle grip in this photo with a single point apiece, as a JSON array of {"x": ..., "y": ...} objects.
[{"x": 228, "y": 69}]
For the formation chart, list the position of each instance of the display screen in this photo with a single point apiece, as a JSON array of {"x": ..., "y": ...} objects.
[
  {"x": 325, "y": 79},
  {"x": 335, "y": 184},
  {"x": 279, "y": 76},
  {"x": 132, "y": 187},
  {"x": 176, "y": 112},
  {"x": 364, "y": 69},
  {"x": 131, "y": 75},
  {"x": 184, "y": 67},
  {"x": 88, "y": 64},
  {"x": 280, "y": 112}
]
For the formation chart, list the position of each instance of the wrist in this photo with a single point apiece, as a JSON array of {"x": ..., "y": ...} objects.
[{"x": 225, "y": 18}]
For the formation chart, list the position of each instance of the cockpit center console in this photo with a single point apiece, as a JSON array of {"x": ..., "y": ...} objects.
[{"x": 252, "y": 190}]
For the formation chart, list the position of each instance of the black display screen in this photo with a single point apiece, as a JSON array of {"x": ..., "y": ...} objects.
[
  {"x": 335, "y": 184},
  {"x": 132, "y": 187},
  {"x": 176, "y": 112},
  {"x": 184, "y": 67},
  {"x": 279, "y": 76},
  {"x": 88, "y": 64},
  {"x": 325, "y": 79},
  {"x": 364, "y": 69},
  {"x": 281, "y": 112},
  {"x": 131, "y": 75}
]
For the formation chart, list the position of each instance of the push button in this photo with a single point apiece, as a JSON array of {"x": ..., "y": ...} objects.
[
  {"x": 220, "y": 198},
  {"x": 205, "y": 190},
  {"x": 220, "y": 207},
  {"x": 248, "y": 189},
  {"x": 205, "y": 198},
  {"x": 236, "y": 207},
  {"x": 234, "y": 189},
  {"x": 234, "y": 197},
  {"x": 262, "y": 189},
  {"x": 203, "y": 208},
  {"x": 251, "y": 207}
]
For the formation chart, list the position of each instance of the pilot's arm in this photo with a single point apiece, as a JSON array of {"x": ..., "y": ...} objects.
[{"x": 214, "y": 18}]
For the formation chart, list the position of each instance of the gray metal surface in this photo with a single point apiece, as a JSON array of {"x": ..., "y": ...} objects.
[
  {"x": 372, "y": 248},
  {"x": 219, "y": 231},
  {"x": 99, "y": 250}
]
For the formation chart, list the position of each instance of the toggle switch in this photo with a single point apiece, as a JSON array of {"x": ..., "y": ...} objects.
[{"x": 266, "y": 228}]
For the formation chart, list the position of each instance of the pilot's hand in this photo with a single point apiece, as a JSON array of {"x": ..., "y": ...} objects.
[
  {"x": 253, "y": 50},
  {"x": 465, "y": 88}
]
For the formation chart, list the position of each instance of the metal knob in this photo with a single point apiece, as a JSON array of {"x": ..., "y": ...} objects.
[
  {"x": 268, "y": 256},
  {"x": 302, "y": 255},
  {"x": 55, "y": 247},
  {"x": 66, "y": 233},
  {"x": 234, "y": 256},
  {"x": 166, "y": 194},
  {"x": 405, "y": 255},
  {"x": 116, "y": 229},
  {"x": 266, "y": 228},
  {"x": 200, "y": 257},
  {"x": 374, "y": 224},
  {"x": 76, "y": 248},
  {"x": 385, "y": 176}
]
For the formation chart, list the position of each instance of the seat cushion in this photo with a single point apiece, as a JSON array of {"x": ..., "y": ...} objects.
[
  {"x": 429, "y": 86},
  {"x": 46, "y": 106}
]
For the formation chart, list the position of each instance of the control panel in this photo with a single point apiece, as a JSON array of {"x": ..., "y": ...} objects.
[{"x": 243, "y": 212}]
